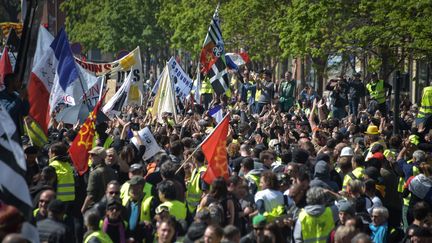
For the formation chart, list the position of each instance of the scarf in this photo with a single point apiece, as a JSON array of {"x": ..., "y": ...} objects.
[{"x": 120, "y": 227}]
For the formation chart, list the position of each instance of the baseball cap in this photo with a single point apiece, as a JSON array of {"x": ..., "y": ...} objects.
[
  {"x": 137, "y": 180},
  {"x": 135, "y": 167},
  {"x": 346, "y": 206},
  {"x": 259, "y": 221},
  {"x": 98, "y": 151},
  {"x": 347, "y": 152}
]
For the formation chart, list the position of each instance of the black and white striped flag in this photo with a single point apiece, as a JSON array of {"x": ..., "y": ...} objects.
[
  {"x": 212, "y": 58},
  {"x": 13, "y": 187}
]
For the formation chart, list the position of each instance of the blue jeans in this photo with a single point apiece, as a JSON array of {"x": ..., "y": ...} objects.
[{"x": 353, "y": 106}]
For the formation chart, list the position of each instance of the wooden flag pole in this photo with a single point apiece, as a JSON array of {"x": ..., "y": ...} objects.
[{"x": 199, "y": 146}]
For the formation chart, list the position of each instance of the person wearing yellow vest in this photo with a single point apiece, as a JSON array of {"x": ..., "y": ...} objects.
[
  {"x": 113, "y": 222},
  {"x": 58, "y": 158},
  {"x": 410, "y": 168},
  {"x": 315, "y": 221},
  {"x": 41, "y": 212},
  {"x": 426, "y": 103},
  {"x": 357, "y": 163},
  {"x": 377, "y": 92},
  {"x": 251, "y": 175},
  {"x": 196, "y": 186},
  {"x": 54, "y": 227},
  {"x": 206, "y": 93},
  {"x": 269, "y": 200},
  {"x": 372, "y": 137},
  {"x": 134, "y": 207},
  {"x": 167, "y": 195},
  {"x": 135, "y": 170},
  {"x": 94, "y": 233}
]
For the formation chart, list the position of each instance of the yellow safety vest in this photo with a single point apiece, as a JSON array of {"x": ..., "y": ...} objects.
[
  {"x": 65, "y": 181},
  {"x": 316, "y": 229},
  {"x": 35, "y": 212},
  {"x": 124, "y": 192},
  {"x": 390, "y": 155},
  {"x": 36, "y": 134},
  {"x": 100, "y": 235},
  {"x": 254, "y": 178},
  {"x": 379, "y": 93},
  {"x": 369, "y": 154},
  {"x": 206, "y": 87},
  {"x": 357, "y": 172},
  {"x": 426, "y": 103},
  {"x": 414, "y": 139},
  {"x": 415, "y": 171},
  {"x": 145, "y": 210},
  {"x": 275, "y": 213},
  {"x": 107, "y": 143},
  {"x": 194, "y": 192},
  {"x": 176, "y": 209}
]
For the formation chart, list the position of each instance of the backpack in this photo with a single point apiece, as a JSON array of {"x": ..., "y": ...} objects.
[{"x": 217, "y": 213}]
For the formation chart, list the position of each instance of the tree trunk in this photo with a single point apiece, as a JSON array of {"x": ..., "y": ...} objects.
[{"x": 320, "y": 64}]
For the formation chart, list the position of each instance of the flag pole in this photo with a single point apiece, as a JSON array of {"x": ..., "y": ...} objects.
[
  {"x": 199, "y": 146},
  {"x": 28, "y": 131}
]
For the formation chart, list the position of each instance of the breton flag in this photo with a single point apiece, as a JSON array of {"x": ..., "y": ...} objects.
[
  {"x": 119, "y": 100},
  {"x": 164, "y": 101},
  {"x": 214, "y": 148},
  {"x": 212, "y": 58},
  {"x": 83, "y": 142},
  {"x": 13, "y": 186},
  {"x": 5, "y": 66}
]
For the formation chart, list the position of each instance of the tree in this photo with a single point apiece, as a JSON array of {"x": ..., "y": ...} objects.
[
  {"x": 10, "y": 8},
  {"x": 314, "y": 29},
  {"x": 114, "y": 25}
]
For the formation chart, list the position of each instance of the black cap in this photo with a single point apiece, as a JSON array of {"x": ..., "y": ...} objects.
[
  {"x": 137, "y": 180},
  {"x": 57, "y": 206}
]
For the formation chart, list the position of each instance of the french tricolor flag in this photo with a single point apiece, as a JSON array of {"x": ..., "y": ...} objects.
[{"x": 54, "y": 75}]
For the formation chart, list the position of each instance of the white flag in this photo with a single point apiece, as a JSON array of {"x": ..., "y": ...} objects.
[
  {"x": 164, "y": 100},
  {"x": 148, "y": 140},
  {"x": 120, "y": 98}
]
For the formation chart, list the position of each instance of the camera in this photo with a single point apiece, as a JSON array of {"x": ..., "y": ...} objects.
[{"x": 135, "y": 127}]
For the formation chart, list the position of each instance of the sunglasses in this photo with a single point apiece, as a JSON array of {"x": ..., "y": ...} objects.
[{"x": 114, "y": 193}]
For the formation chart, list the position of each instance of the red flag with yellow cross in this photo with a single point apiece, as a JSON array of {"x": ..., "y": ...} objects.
[
  {"x": 83, "y": 142},
  {"x": 215, "y": 151}
]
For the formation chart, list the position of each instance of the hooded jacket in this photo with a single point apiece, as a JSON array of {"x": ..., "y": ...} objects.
[{"x": 322, "y": 177}]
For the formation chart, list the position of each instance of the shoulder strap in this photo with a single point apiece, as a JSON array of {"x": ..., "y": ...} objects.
[{"x": 351, "y": 174}]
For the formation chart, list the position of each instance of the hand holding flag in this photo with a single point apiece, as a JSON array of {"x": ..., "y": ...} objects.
[{"x": 83, "y": 142}]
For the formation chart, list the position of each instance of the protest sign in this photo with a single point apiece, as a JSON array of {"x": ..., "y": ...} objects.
[{"x": 152, "y": 147}]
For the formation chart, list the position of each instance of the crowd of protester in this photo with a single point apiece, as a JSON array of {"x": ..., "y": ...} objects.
[{"x": 304, "y": 167}]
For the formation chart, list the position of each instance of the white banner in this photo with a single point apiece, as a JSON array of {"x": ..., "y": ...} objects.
[
  {"x": 119, "y": 70},
  {"x": 182, "y": 82},
  {"x": 152, "y": 147}
]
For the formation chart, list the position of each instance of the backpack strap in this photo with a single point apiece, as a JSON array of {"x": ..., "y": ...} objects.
[{"x": 352, "y": 175}]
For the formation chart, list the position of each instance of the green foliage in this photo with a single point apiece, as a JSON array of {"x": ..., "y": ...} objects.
[
  {"x": 269, "y": 29},
  {"x": 114, "y": 25}
]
